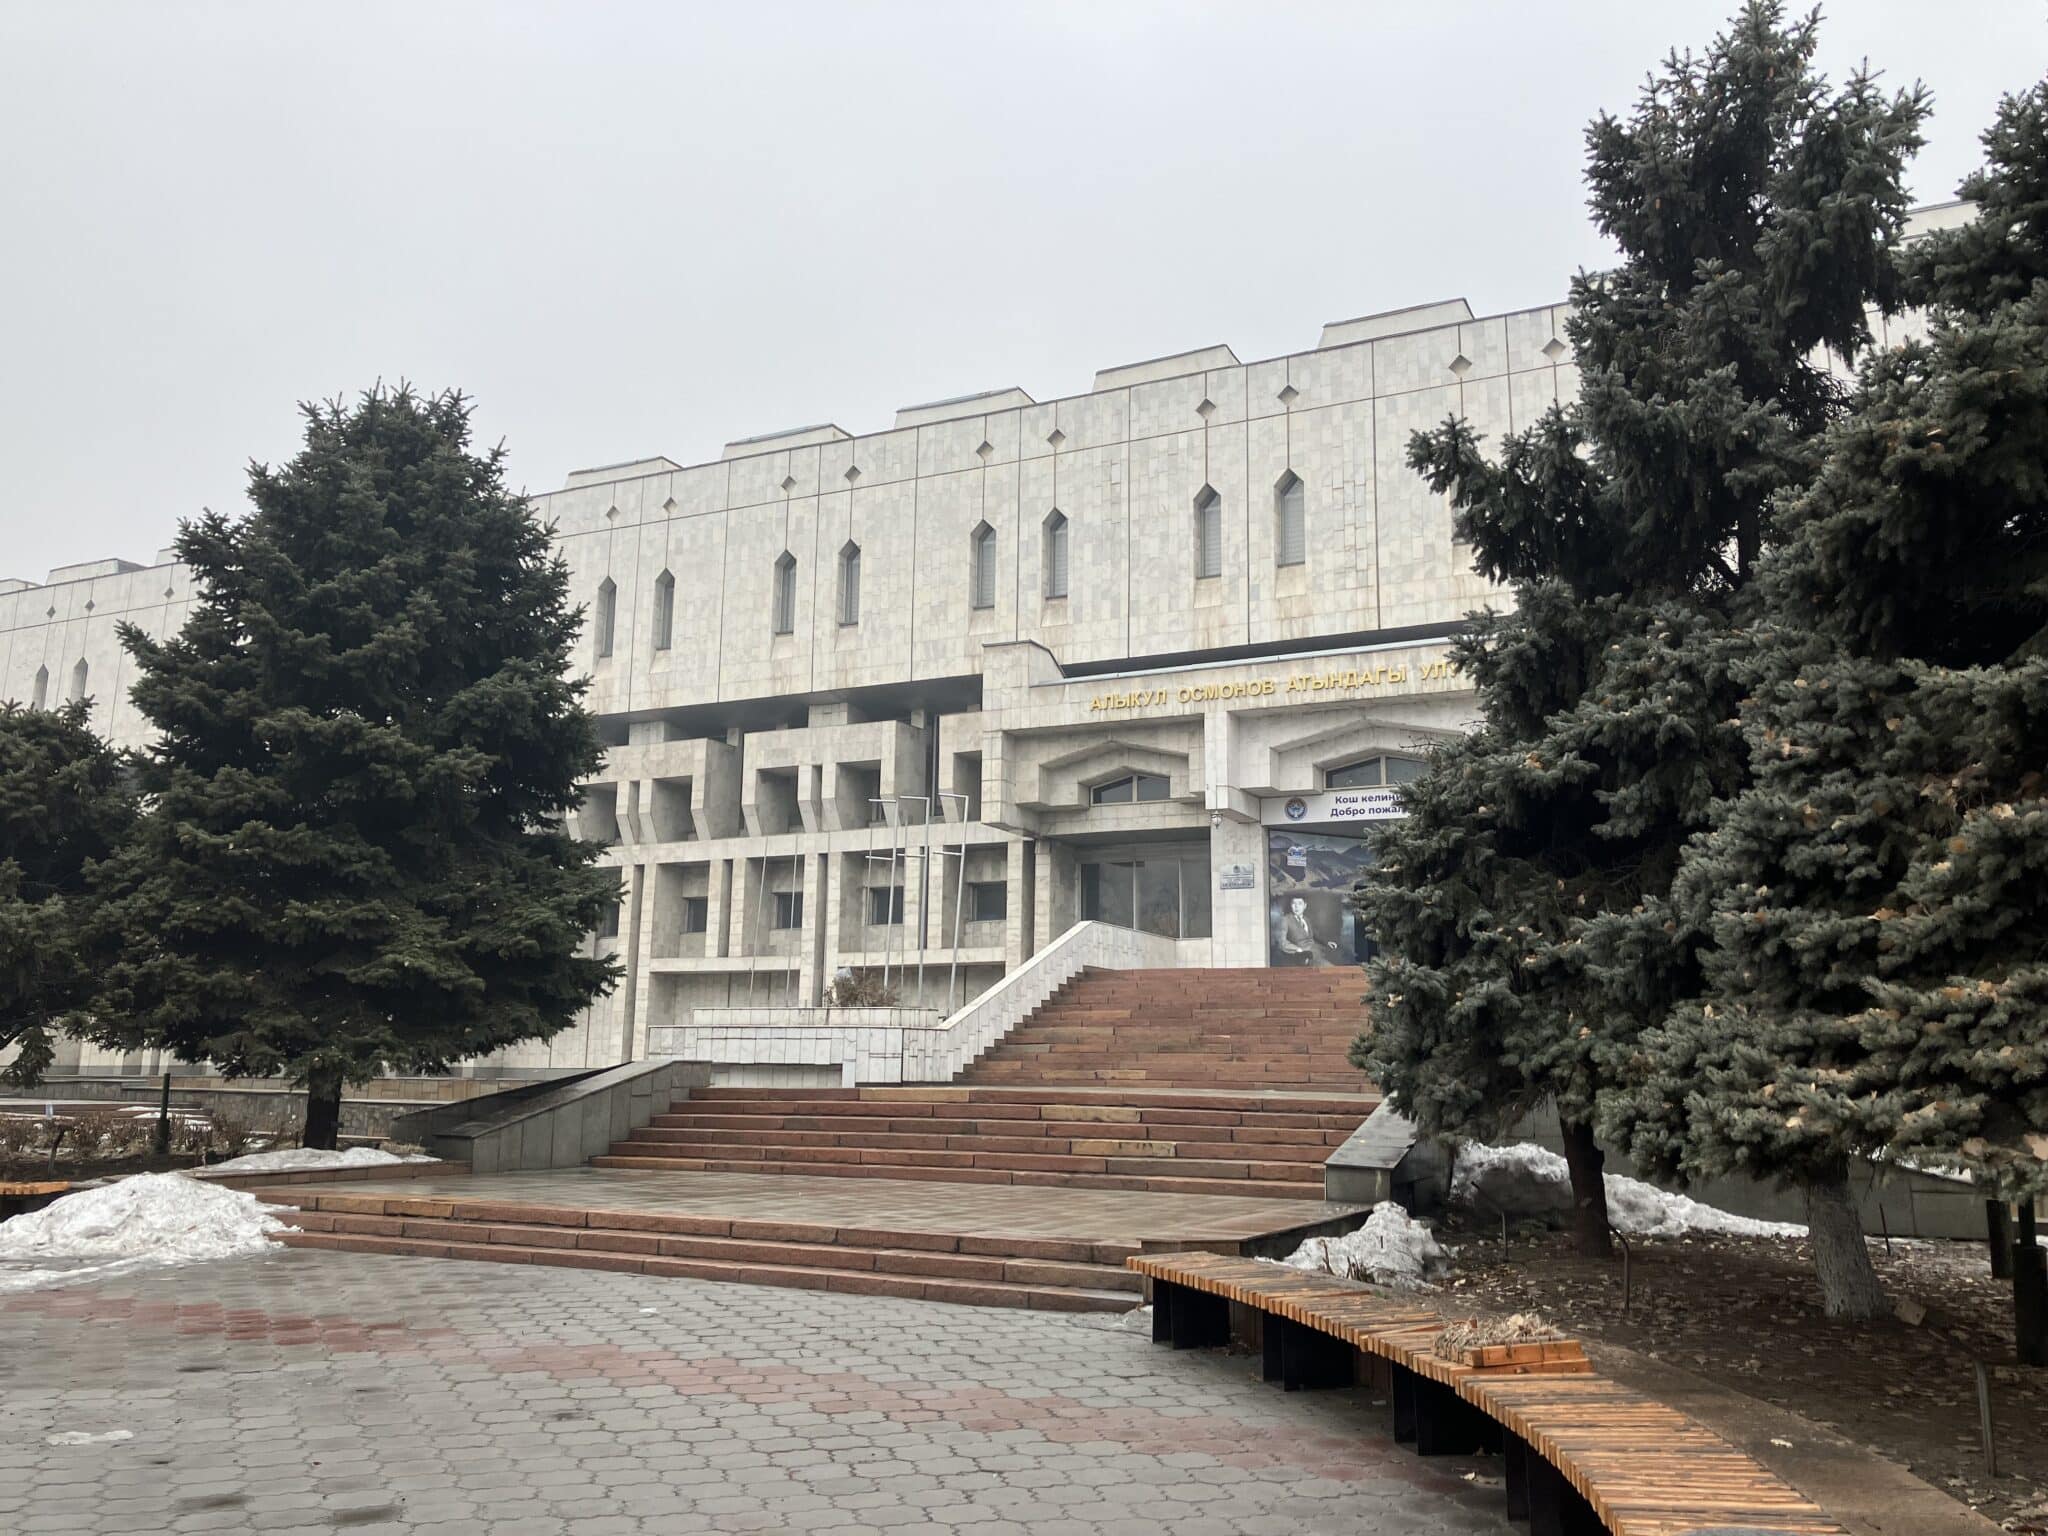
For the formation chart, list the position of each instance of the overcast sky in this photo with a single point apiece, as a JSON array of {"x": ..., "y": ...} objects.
[{"x": 630, "y": 229}]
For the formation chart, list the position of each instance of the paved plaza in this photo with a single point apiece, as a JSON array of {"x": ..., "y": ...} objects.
[{"x": 303, "y": 1391}]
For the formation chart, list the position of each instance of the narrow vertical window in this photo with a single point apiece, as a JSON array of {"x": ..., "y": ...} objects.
[
  {"x": 607, "y": 616},
  {"x": 78, "y": 676},
  {"x": 982, "y": 547},
  {"x": 1290, "y": 521},
  {"x": 1208, "y": 533},
  {"x": 849, "y": 583},
  {"x": 42, "y": 686},
  {"x": 664, "y": 610},
  {"x": 785, "y": 593},
  {"x": 1056, "y": 554}
]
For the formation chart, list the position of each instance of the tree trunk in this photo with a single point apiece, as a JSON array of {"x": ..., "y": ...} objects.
[
  {"x": 1849, "y": 1286},
  {"x": 1998, "y": 1224},
  {"x": 323, "y": 1108},
  {"x": 1589, "y": 1190}
]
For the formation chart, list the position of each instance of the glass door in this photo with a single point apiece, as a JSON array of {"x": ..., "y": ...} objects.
[{"x": 1162, "y": 890}]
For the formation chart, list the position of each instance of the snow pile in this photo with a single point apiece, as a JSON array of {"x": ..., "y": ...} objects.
[
  {"x": 1392, "y": 1248},
  {"x": 306, "y": 1159},
  {"x": 1527, "y": 1180},
  {"x": 151, "y": 1219}
]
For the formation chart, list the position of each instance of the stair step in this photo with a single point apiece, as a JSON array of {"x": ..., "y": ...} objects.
[
  {"x": 1171, "y": 1167},
  {"x": 860, "y": 1282},
  {"x": 785, "y": 1254},
  {"x": 1160, "y": 1125},
  {"x": 1262, "y": 1188}
]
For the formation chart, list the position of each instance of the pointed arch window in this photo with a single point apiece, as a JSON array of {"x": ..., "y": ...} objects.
[
  {"x": 1290, "y": 521},
  {"x": 849, "y": 583},
  {"x": 42, "y": 686},
  {"x": 1208, "y": 534},
  {"x": 982, "y": 566},
  {"x": 785, "y": 594},
  {"x": 1056, "y": 553},
  {"x": 664, "y": 610},
  {"x": 78, "y": 677},
  {"x": 606, "y": 618}
]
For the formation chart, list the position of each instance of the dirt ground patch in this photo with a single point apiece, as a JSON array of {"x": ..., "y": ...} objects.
[{"x": 1744, "y": 1313}]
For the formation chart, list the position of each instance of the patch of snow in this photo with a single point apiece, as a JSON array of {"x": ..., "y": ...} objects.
[
  {"x": 150, "y": 1220},
  {"x": 82, "y": 1437},
  {"x": 306, "y": 1159},
  {"x": 1392, "y": 1248},
  {"x": 1528, "y": 1180}
]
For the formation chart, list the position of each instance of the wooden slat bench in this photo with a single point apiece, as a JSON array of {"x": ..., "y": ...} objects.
[{"x": 1582, "y": 1455}]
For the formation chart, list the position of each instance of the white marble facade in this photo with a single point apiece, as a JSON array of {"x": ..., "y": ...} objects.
[{"x": 749, "y": 750}]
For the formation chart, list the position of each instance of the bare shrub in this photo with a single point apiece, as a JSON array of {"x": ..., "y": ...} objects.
[
  {"x": 23, "y": 1143},
  {"x": 107, "y": 1135},
  {"x": 860, "y": 989}
]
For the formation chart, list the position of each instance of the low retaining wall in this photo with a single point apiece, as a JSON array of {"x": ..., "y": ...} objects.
[
  {"x": 1384, "y": 1160},
  {"x": 271, "y": 1108},
  {"x": 843, "y": 1047},
  {"x": 1905, "y": 1202},
  {"x": 563, "y": 1125}
]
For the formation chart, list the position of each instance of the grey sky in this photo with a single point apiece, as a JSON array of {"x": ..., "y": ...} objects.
[{"x": 631, "y": 229}]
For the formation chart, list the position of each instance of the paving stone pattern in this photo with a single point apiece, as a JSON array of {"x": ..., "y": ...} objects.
[{"x": 352, "y": 1392}]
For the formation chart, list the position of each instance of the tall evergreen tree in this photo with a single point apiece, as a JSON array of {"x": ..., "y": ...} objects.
[
  {"x": 353, "y": 857},
  {"x": 1875, "y": 904},
  {"x": 65, "y": 802},
  {"x": 1755, "y": 209}
]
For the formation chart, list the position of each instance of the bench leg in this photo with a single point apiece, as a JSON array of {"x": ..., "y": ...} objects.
[
  {"x": 1515, "y": 1471},
  {"x": 1403, "y": 1396},
  {"x": 1556, "y": 1508},
  {"x": 1163, "y": 1292},
  {"x": 1309, "y": 1357},
  {"x": 1272, "y": 1363},
  {"x": 1445, "y": 1424},
  {"x": 1198, "y": 1320}
]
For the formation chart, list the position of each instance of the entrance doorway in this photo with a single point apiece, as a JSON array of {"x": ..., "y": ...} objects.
[{"x": 1156, "y": 888}]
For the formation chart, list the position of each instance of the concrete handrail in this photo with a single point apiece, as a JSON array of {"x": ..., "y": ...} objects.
[{"x": 772, "y": 1043}]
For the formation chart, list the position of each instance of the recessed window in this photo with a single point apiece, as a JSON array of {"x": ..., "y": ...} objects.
[
  {"x": 608, "y": 922},
  {"x": 785, "y": 593},
  {"x": 78, "y": 677},
  {"x": 1290, "y": 521},
  {"x": 1136, "y": 786},
  {"x": 1370, "y": 772},
  {"x": 664, "y": 609},
  {"x": 789, "y": 909},
  {"x": 849, "y": 583},
  {"x": 1208, "y": 534},
  {"x": 1056, "y": 554},
  {"x": 42, "y": 686},
  {"x": 982, "y": 566},
  {"x": 988, "y": 901},
  {"x": 696, "y": 914},
  {"x": 606, "y": 617},
  {"x": 885, "y": 905}
]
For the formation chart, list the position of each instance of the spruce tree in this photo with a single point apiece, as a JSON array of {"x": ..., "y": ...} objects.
[
  {"x": 1875, "y": 903},
  {"x": 65, "y": 803},
  {"x": 354, "y": 857},
  {"x": 1755, "y": 209}
]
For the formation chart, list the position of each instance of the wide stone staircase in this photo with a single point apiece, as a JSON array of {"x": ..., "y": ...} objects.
[
  {"x": 1285, "y": 1030},
  {"x": 1179, "y": 1082},
  {"x": 1170, "y": 1143},
  {"x": 1059, "y": 1274},
  {"x": 1175, "y": 1083}
]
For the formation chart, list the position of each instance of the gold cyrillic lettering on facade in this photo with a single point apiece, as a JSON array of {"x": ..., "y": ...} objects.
[{"x": 1349, "y": 680}]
